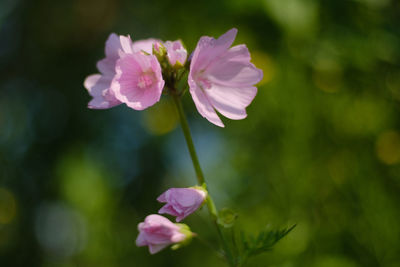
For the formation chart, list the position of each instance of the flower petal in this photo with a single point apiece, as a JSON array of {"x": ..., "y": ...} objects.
[
  {"x": 238, "y": 53},
  {"x": 162, "y": 198},
  {"x": 179, "y": 218},
  {"x": 234, "y": 74},
  {"x": 146, "y": 45},
  {"x": 106, "y": 66},
  {"x": 156, "y": 248},
  {"x": 112, "y": 46},
  {"x": 98, "y": 85},
  {"x": 141, "y": 240},
  {"x": 153, "y": 219},
  {"x": 208, "y": 49},
  {"x": 178, "y": 237},
  {"x": 90, "y": 82},
  {"x": 126, "y": 44},
  {"x": 231, "y": 102},
  {"x": 226, "y": 40},
  {"x": 203, "y": 105}
]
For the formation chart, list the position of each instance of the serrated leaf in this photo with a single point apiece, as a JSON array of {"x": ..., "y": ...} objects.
[{"x": 265, "y": 240}]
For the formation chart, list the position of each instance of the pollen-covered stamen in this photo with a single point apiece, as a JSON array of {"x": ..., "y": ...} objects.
[{"x": 146, "y": 80}]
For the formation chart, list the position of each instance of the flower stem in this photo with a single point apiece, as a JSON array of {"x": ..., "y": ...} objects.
[
  {"x": 200, "y": 176},
  {"x": 189, "y": 141}
]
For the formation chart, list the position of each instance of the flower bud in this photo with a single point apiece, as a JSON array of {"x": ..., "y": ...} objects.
[
  {"x": 182, "y": 202},
  {"x": 159, "y": 51},
  {"x": 176, "y": 53},
  {"x": 158, "y": 232}
]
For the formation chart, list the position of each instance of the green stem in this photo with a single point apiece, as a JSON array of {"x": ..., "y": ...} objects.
[
  {"x": 189, "y": 140},
  {"x": 200, "y": 176}
]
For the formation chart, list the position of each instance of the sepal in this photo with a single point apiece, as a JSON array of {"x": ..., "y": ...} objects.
[
  {"x": 184, "y": 229},
  {"x": 159, "y": 51}
]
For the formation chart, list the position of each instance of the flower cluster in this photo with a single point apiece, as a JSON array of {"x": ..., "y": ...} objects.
[{"x": 221, "y": 78}]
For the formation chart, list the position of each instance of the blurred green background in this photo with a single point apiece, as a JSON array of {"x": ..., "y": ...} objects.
[{"x": 320, "y": 146}]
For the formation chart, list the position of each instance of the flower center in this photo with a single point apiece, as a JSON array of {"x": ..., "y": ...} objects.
[{"x": 146, "y": 80}]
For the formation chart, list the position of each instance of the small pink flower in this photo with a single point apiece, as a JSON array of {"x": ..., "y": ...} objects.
[
  {"x": 175, "y": 52},
  {"x": 158, "y": 232},
  {"x": 138, "y": 81},
  {"x": 181, "y": 202},
  {"x": 222, "y": 78},
  {"x": 98, "y": 85}
]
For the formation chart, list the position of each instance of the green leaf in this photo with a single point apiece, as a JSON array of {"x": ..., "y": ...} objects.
[{"x": 264, "y": 241}]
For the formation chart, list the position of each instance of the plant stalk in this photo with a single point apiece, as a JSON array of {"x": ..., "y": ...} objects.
[{"x": 200, "y": 176}]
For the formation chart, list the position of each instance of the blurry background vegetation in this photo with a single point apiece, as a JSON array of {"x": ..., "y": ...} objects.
[{"x": 320, "y": 146}]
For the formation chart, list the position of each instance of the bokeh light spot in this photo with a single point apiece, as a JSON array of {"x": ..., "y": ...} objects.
[
  {"x": 363, "y": 115},
  {"x": 161, "y": 118},
  {"x": 328, "y": 81},
  {"x": 84, "y": 183},
  {"x": 299, "y": 17},
  {"x": 263, "y": 61},
  {"x": 61, "y": 230},
  {"x": 388, "y": 147}
]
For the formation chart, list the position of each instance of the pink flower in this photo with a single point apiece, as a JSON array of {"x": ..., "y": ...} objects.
[
  {"x": 98, "y": 85},
  {"x": 176, "y": 53},
  {"x": 222, "y": 78},
  {"x": 158, "y": 232},
  {"x": 181, "y": 202},
  {"x": 138, "y": 81}
]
